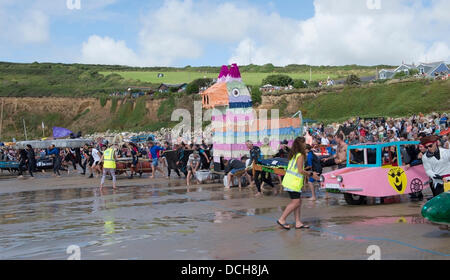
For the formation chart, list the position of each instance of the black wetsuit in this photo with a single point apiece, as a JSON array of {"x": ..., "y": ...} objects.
[
  {"x": 260, "y": 176},
  {"x": 23, "y": 156},
  {"x": 31, "y": 161}
]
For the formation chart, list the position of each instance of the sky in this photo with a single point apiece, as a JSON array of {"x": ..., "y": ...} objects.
[{"x": 211, "y": 32}]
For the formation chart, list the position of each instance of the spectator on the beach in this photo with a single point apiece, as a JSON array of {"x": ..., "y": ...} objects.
[
  {"x": 55, "y": 154},
  {"x": 31, "y": 160},
  {"x": 352, "y": 138},
  {"x": 204, "y": 157},
  {"x": 193, "y": 165},
  {"x": 444, "y": 121},
  {"x": 256, "y": 157},
  {"x": 153, "y": 152},
  {"x": 312, "y": 164},
  {"x": 23, "y": 158},
  {"x": 134, "y": 152},
  {"x": 88, "y": 160},
  {"x": 182, "y": 158},
  {"x": 234, "y": 168},
  {"x": 283, "y": 152},
  {"x": 340, "y": 158}
]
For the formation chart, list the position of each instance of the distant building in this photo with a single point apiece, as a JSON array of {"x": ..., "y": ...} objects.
[
  {"x": 432, "y": 70},
  {"x": 385, "y": 74},
  {"x": 267, "y": 88},
  {"x": 164, "y": 88},
  {"x": 365, "y": 79},
  {"x": 429, "y": 70}
]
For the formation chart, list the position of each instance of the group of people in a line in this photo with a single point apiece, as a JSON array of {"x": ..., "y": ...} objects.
[{"x": 185, "y": 159}]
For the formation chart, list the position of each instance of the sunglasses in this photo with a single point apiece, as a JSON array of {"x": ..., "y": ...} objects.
[{"x": 429, "y": 146}]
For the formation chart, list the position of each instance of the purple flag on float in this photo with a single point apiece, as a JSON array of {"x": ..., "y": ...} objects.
[{"x": 60, "y": 132}]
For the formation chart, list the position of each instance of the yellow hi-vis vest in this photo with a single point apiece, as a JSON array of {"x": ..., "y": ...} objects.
[
  {"x": 293, "y": 181},
  {"x": 108, "y": 159}
]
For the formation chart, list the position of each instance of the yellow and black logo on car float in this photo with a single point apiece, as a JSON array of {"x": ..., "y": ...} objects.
[{"x": 397, "y": 179}]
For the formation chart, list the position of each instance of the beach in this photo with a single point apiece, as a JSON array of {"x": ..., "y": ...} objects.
[{"x": 164, "y": 219}]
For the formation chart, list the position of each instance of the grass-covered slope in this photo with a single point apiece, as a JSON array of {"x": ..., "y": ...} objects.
[{"x": 389, "y": 100}]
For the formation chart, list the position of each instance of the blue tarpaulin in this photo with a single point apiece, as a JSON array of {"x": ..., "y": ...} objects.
[{"x": 61, "y": 132}]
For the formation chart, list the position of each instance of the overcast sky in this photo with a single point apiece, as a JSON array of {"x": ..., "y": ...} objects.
[{"x": 190, "y": 32}]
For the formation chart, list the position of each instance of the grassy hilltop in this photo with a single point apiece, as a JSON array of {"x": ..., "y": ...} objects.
[
  {"x": 77, "y": 80},
  {"x": 48, "y": 79}
]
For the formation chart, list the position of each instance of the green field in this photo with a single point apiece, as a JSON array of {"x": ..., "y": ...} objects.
[{"x": 248, "y": 78}]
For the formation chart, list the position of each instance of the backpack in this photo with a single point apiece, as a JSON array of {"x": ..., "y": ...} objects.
[{"x": 316, "y": 165}]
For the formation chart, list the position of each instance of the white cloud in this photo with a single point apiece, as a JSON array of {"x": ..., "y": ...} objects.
[
  {"x": 346, "y": 32},
  {"x": 31, "y": 26},
  {"x": 105, "y": 50},
  {"x": 340, "y": 32}
]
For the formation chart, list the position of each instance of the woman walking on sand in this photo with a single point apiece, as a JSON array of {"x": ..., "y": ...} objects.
[{"x": 293, "y": 183}]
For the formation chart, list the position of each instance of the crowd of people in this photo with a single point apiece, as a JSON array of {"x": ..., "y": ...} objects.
[
  {"x": 188, "y": 158},
  {"x": 325, "y": 146}
]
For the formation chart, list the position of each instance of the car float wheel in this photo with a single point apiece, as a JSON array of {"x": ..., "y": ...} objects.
[{"x": 354, "y": 199}]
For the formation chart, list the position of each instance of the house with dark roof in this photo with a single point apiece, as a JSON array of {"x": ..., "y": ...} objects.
[
  {"x": 429, "y": 70},
  {"x": 163, "y": 88}
]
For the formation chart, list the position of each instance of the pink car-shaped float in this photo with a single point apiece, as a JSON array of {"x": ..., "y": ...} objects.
[{"x": 375, "y": 171}]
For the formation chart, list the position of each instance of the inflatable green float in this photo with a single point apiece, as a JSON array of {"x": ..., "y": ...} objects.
[{"x": 437, "y": 210}]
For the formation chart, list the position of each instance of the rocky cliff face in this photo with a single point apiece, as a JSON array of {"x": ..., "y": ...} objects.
[
  {"x": 91, "y": 115},
  {"x": 76, "y": 114}
]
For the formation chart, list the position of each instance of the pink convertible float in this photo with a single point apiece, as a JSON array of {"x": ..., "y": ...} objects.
[{"x": 375, "y": 171}]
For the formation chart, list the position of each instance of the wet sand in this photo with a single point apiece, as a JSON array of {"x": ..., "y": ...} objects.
[{"x": 164, "y": 219}]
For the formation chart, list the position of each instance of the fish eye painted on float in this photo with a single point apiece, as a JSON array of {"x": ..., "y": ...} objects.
[{"x": 236, "y": 92}]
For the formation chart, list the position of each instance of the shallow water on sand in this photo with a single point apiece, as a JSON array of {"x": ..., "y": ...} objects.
[{"x": 167, "y": 220}]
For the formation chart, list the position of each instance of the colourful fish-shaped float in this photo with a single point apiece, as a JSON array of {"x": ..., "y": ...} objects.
[{"x": 234, "y": 121}]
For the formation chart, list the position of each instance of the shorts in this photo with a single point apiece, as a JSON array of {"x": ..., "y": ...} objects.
[
  {"x": 234, "y": 171},
  {"x": 294, "y": 195},
  {"x": 312, "y": 180},
  {"x": 155, "y": 163},
  {"x": 95, "y": 163},
  {"x": 329, "y": 162},
  {"x": 190, "y": 169}
]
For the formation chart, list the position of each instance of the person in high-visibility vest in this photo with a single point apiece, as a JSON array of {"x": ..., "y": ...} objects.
[
  {"x": 109, "y": 165},
  {"x": 293, "y": 183}
]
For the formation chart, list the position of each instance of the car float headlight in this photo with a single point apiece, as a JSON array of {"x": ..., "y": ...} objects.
[
  {"x": 340, "y": 179},
  {"x": 322, "y": 178}
]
